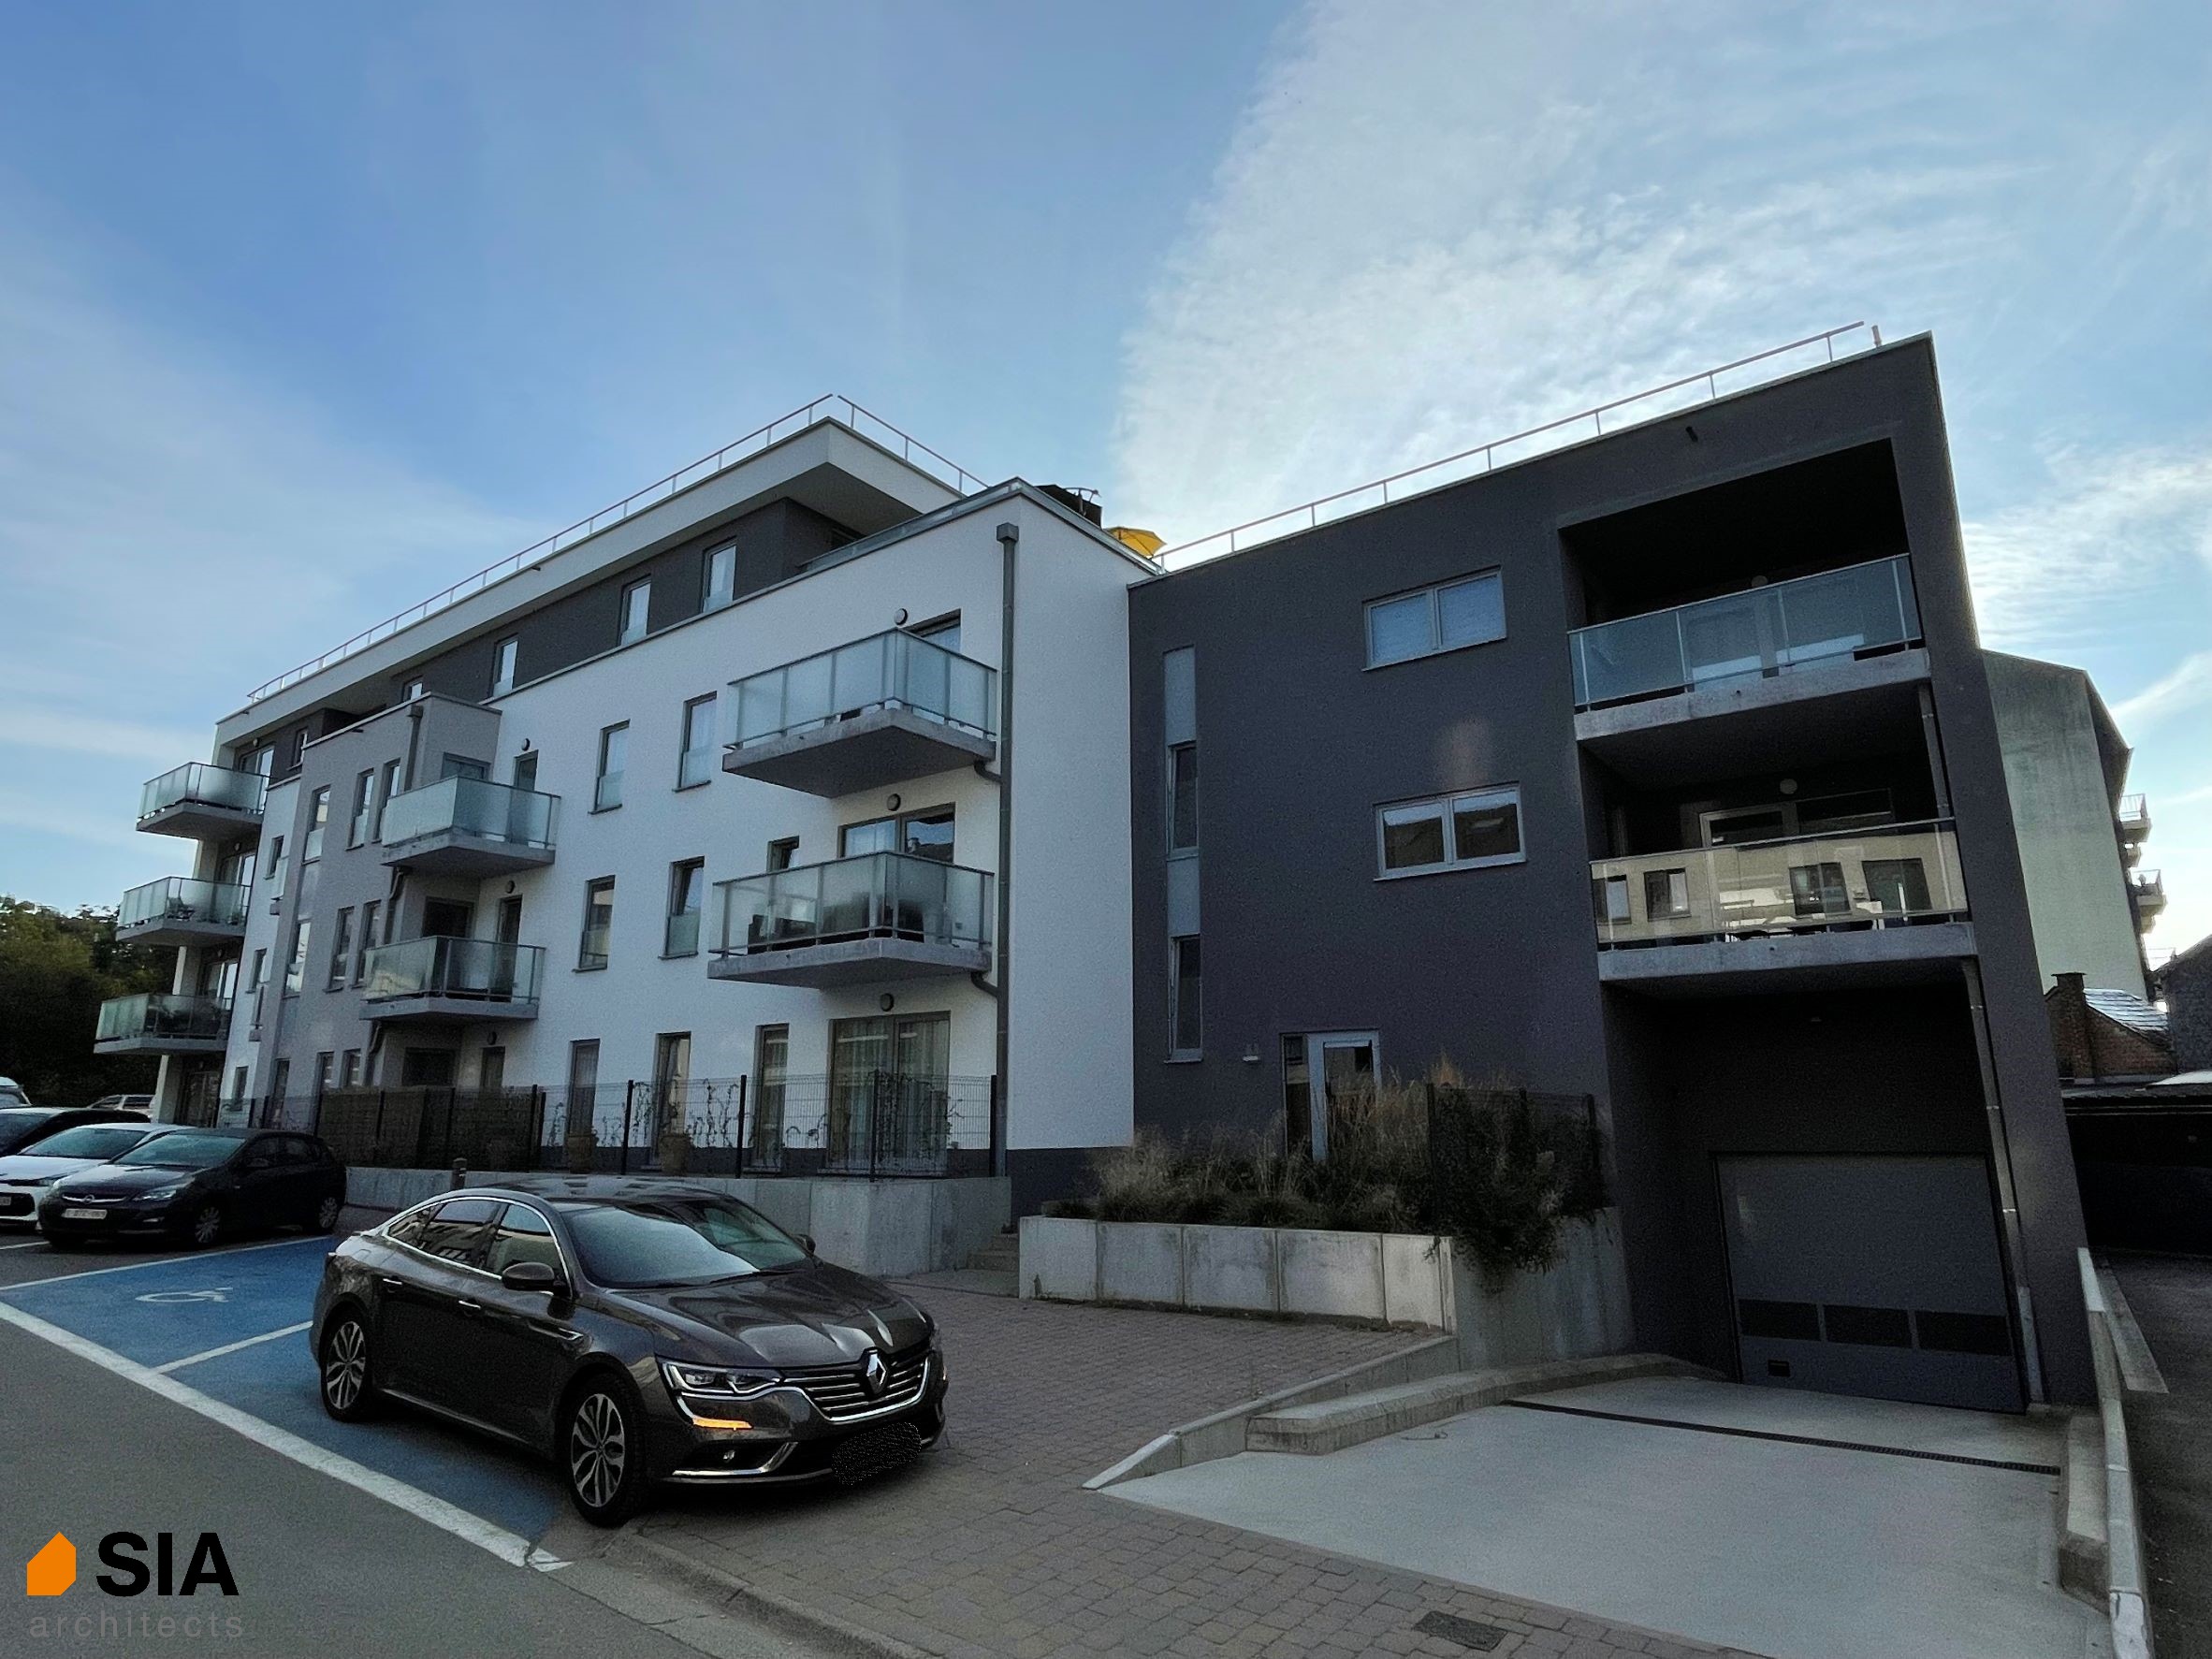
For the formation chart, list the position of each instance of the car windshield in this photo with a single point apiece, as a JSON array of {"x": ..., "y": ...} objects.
[
  {"x": 93, "y": 1139},
  {"x": 677, "y": 1241},
  {"x": 183, "y": 1151}
]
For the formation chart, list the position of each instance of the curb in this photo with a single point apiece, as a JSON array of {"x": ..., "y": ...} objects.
[{"x": 640, "y": 1553}]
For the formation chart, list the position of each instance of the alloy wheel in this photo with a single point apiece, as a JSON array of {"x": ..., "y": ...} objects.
[
  {"x": 326, "y": 1214},
  {"x": 206, "y": 1225},
  {"x": 598, "y": 1450},
  {"x": 345, "y": 1366}
]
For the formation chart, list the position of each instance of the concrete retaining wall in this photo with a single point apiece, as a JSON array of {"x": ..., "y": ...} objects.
[
  {"x": 881, "y": 1227},
  {"x": 1415, "y": 1280}
]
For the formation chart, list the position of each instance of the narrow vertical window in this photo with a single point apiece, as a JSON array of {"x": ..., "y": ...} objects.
[
  {"x": 599, "y": 922},
  {"x": 368, "y": 942},
  {"x": 318, "y": 814},
  {"x": 364, "y": 807},
  {"x": 583, "y": 1083},
  {"x": 1183, "y": 775},
  {"x": 1183, "y": 985},
  {"x": 614, "y": 748},
  {"x": 771, "y": 1050},
  {"x": 687, "y": 895},
  {"x": 342, "y": 946},
  {"x": 503, "y": 666},
  {"x": 719, "y": 579},
  {"x": 296, "y": 972},
  {"x": 697, "y": 765},
  {"x": 385, "y": 791},
  {"x": 637, "y": 603}
]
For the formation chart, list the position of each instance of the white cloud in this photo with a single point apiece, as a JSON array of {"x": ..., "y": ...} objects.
[
  {"x": 30, "y": 726},
  {"x": 2188, "y": 689}
]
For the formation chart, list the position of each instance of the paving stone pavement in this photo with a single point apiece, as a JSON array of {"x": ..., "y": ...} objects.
[{"x": 990, "y": 1548}]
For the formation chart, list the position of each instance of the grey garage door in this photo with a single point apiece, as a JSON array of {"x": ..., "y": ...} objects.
[{"x": 1870, "y": 1276}]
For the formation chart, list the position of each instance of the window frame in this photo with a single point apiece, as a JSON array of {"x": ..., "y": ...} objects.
[
  {"x": 708, "y": 598},
  {"x": 1446, "y": 805},
  {"x": 1177, "y": 1051},
  {"x": 506, "y": 655},
  {"x": 642, "y": 589},
  {"x": 591, "y": 889},
  {"x": 318, "y": 822},
  {"x": 342, "y": 948},
  {"x": 1433, "y": 592},
  {"x": 679, "y": 873},
  {"x": 684, "y": 751},
  {"x": 599, "y": 778},
  {"x": 1176, "y": 796}
]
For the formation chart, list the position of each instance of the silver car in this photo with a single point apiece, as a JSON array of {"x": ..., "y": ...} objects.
[{"x": 24, "y": 1176}]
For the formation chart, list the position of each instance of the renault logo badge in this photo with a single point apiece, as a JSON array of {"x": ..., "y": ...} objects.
[{"x": 874, "y": 1374}]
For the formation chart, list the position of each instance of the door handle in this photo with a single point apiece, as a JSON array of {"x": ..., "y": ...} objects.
[
  {"x": 468, "y": 1307},
  {"x": 387, "y": 1281}
]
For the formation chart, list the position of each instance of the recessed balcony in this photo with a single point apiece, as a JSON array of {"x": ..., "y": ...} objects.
[
  {"x": 878, "y": 916},
  {"x": 163, "y": 1023},
  {"x": 1854, "y": 904},
  {"x": 470, "y": 827},
  {"x": 2133, "y": 817},
  {"x": 437, "y": 980},
  {"x": 181, "y": 910},
  {"x": 1839, "y": 631},
  {"x": 203, "y": 802},
  {"x": 876, "y": 712}
]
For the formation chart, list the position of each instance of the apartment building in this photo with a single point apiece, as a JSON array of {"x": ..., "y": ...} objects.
[
  {"x": 1663, "y": 769},
  {"x": 2081, "y": 834},
  {"x": 718, "y": 788}
]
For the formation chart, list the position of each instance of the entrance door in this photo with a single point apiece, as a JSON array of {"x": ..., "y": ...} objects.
[
  {"x": 671, "y": 1074},
  {"x": 1870, "y": 1276},
  {"x": 1323, "y": 1073}
]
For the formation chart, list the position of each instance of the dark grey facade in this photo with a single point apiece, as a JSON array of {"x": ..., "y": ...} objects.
[{"x": 1903, "y": 1020}]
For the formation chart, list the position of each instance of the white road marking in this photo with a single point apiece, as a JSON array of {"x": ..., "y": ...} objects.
[
  {"x": 26, "y": 1245},
  {"x": 132, "y": 1267},
  {"x": 232, "y": 1347},
  {"x": 509, "y": 1547}
]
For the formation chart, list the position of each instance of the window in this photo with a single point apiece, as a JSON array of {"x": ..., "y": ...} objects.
[
  {"x": 462, "y": 766},
  {"x": 1471, "y": 611},
  {"x": 299, "y": 750},
  {"x": 1817, "y": 889},
  {"x": 385, "y": 793},
  {"x": 280, "y": 1081},
  {"x": 783, "y": 854},
  {"x": 276, "y": 868},
  {"x": 367, "y": 940},
  {"x": 687, "y": 894},
  {"x": 1608, "y": 898},
  {"x": 1181, "y": 798},
  {"x": 410, "y": 690},
  {"x": 323, "y": 1065},
  {"x": 614, "y": 747},
  {"x": 318, "y": 814},
  {"x": 599, "y": 921},
  {"x": 697, "y": 765},
  {"x": 1184, "y": 988},
  {"x": 260, "y": 970},
  {"x": 503, "y": 664},
  {"x": 523, "y": 1235},
  {"x": 583, "y": 1081},
  {"x": 915, "y": 1049},
  {"x": 297, "y": 971},
  {"x": 238, "y": 1075},
  {"x": 364, "y": 809},
  {"x": 1667, "y": 895},
  {"x": 637, "y": 601},
  {"x": 523, "y": 772},
  {"x": 342, "y": 948},
  {"x": 771, "y": 1050},
  {"x": 455, "y": 1229},
  {"x": 1898, "y": 885},
  {"x": 717, "y": 582},
  {"x": 921, "y": 835},
  {"x": 672, "y": 1076},
  {"x": 944, "y": 631},
  {"x": 349, "y": 1070},
  {"x": 1452, "y": 831}
]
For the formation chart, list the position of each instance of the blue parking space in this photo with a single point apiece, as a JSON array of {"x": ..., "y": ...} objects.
[{"x": 160, "y": 1312}]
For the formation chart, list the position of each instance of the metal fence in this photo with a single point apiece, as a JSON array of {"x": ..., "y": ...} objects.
[
  {"x": 869, "y": 1125},
  {"x": 1481, "y": 1136}
]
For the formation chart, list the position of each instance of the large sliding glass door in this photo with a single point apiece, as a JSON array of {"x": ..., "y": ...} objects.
[{"x": 890, "y": 1078}]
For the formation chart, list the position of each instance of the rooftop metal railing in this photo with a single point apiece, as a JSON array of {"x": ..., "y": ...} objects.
[
  {"x": 831, "y": 407},
  {"x": 1555, "y": 433}
]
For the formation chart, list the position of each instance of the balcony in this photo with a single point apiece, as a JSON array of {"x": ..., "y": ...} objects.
[
  {"x": 163, "y": 1023},
  {"x": 206, "y": 802},
  {"x": 468, "y": 826},
  {"x": 2149, "y": 887},
  {"x": 871, "y": 713},
  {"x": 435, "y": 980},
  {"x": 2132, "y": 816},
  {"x": 854, "y": 921},
  {"x": 1862, "y": 902},
  {"x": 1835, "y": 630},
  {"x": 181, "y": 910}
]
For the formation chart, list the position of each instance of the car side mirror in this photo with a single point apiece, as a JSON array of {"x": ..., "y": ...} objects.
[
  {"x": 529, "y": 1275},
  {"x": 806, "y": 1240}
]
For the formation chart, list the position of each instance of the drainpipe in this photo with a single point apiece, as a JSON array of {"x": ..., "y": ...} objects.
[{"x": 1009, "y": 536}]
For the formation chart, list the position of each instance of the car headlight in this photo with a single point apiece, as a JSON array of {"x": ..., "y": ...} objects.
[
  {"x": 720, "y": 1380},
  {"x": 156, "y": 1196}
]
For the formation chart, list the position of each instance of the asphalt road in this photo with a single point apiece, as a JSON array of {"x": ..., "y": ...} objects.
[
  {"x": 2170, "y": 1438},
  {"x": 321, "y": 1567}
]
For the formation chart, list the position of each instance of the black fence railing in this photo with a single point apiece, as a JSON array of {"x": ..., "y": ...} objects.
[
  {"x": 1484, "y": 1137},
  {"x": 865, "y": 1125}
]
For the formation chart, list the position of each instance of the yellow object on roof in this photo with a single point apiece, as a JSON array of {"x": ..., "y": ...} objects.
[{"x": 1135, "y": 540}]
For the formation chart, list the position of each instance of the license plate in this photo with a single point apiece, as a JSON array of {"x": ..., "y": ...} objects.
[
  {"x": 84, "y": 1215},
  {"x": 13, "y": 1203},
  {"x": 874, "y": 1453}
]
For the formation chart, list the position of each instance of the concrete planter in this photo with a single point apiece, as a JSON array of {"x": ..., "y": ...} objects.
[
  {"x": 881, "y": 1227},
  {"x": 1415, "y": 1281}
]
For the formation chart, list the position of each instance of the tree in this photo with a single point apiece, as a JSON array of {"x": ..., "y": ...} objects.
[{"x": 55, "y": 971}]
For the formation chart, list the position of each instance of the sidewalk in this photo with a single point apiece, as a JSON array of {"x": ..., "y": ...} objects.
[
  {"x": 2170, "y": 1436},
  {"x": 992, "y": 1547}
]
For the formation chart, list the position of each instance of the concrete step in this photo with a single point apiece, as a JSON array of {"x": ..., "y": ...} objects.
[
  {"x": 1002, "y": 1255},
  {"x": 1330, "y": 1425}
]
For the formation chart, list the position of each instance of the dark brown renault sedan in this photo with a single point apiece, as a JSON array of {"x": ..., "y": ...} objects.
[{"x": 639, "y": 1330}]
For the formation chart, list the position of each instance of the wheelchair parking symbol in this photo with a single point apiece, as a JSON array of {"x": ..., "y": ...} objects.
[{"x": 174, "y": 1297}]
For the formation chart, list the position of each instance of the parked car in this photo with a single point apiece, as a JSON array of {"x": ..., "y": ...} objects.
[
  {"x": 13, "y": 1093},
  {"x": 24, "y": 1176},
  {"x": 195, "y": 1185},
  {"x": 639, "y": 1331},
  {"x": 139, "y": 1105},
  {"x": 22, "y": 1126}
]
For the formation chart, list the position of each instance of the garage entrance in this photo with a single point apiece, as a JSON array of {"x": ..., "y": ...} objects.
[{"x": 1873, "y": 1275}]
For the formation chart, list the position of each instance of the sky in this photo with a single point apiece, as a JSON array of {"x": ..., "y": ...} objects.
[{"x": 306, "y": 312}]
